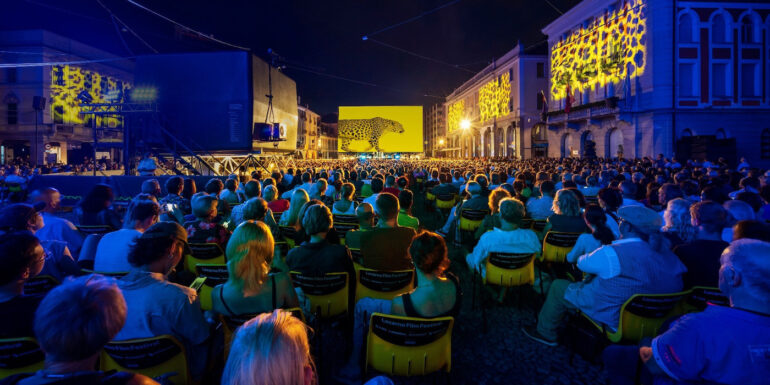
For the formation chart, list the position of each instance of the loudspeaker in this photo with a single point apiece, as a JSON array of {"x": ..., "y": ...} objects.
[{"x": 38, "y": 103}]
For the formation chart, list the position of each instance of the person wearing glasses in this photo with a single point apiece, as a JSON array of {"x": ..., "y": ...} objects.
[{"x": 21, "y": 258}]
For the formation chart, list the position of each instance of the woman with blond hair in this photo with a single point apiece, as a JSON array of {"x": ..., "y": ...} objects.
[
  {"x": 566, "y": 217},
  {"x": 678, "y": 227},
  {"x": 249, "y": 288},
  {"x": 298, "y": 199},
  {"x": 270, "y": 349}
]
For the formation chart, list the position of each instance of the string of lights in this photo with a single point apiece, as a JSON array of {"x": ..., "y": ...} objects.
[
  {"x": 180, "y": 25},
  {"x": 409, "y": 20}
]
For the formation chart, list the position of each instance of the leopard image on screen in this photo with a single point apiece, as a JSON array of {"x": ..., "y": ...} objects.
[{"x": 369, "y": 130}]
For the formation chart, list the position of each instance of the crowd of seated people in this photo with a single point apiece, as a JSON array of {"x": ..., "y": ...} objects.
[{"x": 644, "y": 226}]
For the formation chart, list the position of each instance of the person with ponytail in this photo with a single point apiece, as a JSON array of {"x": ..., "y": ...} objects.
[{"x": 601, "y": 234}]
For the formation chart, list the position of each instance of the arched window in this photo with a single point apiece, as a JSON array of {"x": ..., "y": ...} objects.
[
  {"x": 719, "y": 29},
  {"x": 685, "y": 29},
  {"x": 748, "y": 34},
  {"x": 721, "y": 134},
  {"x": 765, "y": 144},
  {"x": 687, "y": 132}
]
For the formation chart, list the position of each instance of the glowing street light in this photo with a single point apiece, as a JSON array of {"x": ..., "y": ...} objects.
[
  {"x": 465, "y": 124},
  {"x": 441, "y": 142}
]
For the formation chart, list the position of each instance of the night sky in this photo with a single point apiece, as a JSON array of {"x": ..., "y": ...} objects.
[{"x": 322, "y": 36}]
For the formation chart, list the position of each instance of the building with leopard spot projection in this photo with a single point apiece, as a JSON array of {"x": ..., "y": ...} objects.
[
  {"x": 495, "y": 114},
  {"x": 688, "y": 79}
]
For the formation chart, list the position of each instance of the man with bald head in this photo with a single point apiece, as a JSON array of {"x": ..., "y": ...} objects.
[
  {"x": 365, "y": 216},
  {"x": 56, "y": 228},
  {"x": 724, "y": 345}
]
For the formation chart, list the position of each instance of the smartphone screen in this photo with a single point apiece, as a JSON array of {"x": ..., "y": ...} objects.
[
  {"x": 169, "y": 207},
  {"x": 197, "y": 283}
]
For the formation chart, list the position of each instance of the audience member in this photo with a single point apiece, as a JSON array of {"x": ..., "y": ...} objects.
[
  {"x": 95, "y": 209},
  {"x": 751, "y": 230},
  {"x": 542, "y": 208},
  {"x": 156, "y": 306},
  {"x": 346, "y": 205},
  {"x": 405, "y": 218},
  {"x": 387, "y": 244},
  {"x": 21, "y": 258},
  {"x": 676, "y": 226},
  {"x": 291, "y": 218},
  {"x": 247, "y": 291},
  {"x": 492, "y": 220},
  {"x": 205, "y": 229},
  {"x": 600, "y": 235},
  {"x": 566, "y": 217},
  {"x": 55, "y": 227},
  {"x": 365, "y": 217},
  {"x": 113, "y": 249}
]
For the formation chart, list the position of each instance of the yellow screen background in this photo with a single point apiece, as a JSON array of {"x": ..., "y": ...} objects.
[{"x": 410, "y": 118}]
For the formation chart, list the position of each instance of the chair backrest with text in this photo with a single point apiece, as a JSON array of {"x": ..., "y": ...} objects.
[
  {"x": 510, "y": 269},
  {"x": 409, "y": 346},
  {"x": 556, "y": 246},
  {"x": 383, "y": 284},
  {"x": 20, "y": 355},
  {"x": 204, "y": 253},
  {"x": 327, "y": 293},
  {"x": 152, "y": 357}
]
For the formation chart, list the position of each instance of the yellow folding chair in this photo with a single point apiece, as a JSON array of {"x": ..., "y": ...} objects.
[
  {"x": 700, "y": 297},
  {"x": 40, "y": 285},
  {"x": 505, "y": 270},
  {"x": 20, "y": 355},
  {"x": 556, "y": 246},
  {"x": 445, "y": 202},
  {"x": 327, "y": 293},
  {"x": 642, "y": 316},
  {"x": 409, "y": 346},
  {"x": 152, "y": 357},
  {"x": 383, "y": 284},
  {"x": 204, "y": 253},
  {"x": 111, "y": 274},
  {"x": 470, "y": 220},
  {"x": 538, "y": 225},
  {"x": 215, "y": 274}
]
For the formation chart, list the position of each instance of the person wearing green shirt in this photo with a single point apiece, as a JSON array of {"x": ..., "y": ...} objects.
[{"x": 405, "y": 219}]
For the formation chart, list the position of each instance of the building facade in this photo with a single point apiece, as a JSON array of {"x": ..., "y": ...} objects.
[
  {"x": 58, "y": 130},
  {"x": 327, "y": 141},
  {"x": 434, "y": 130},
  {"x": 493, "y": 113},
  {"x": 308, "y": 131},
  {"x": 644, "y": 77}
]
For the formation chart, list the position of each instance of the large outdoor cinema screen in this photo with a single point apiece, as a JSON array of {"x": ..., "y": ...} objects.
[{"x": 380, "y": 129}]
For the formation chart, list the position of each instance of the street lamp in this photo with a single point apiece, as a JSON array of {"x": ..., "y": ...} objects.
[
  {"x": 441, "y": 142},
  {"x": 465, "y": 124}
]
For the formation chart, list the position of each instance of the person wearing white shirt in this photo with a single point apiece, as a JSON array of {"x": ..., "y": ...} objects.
[
  {"x": 57, "y": 228},
  {"x": 509, "y": 238},
  {"x": 542, "y": 208},
  {"x": 112, "y": 251}
]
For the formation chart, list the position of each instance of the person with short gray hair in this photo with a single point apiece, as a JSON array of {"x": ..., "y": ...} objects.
[{"x": 72, "y": 325}]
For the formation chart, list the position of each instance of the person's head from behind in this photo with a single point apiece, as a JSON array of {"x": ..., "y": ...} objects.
[
  {"x": 390, "y": 181},
  {"x": 21, "y": 258},
  {"x": 255, "y": 209},
  {"x": 365, "y": 214},
  {"x": 231, "y": 184},
  {"x": 738, "y": 211},
  {"x": 317, "y": 220},
  {"x": 152, "y": 187},
  {"x": 596, "y": 220},
  {"x": 547, "y": 188},
  {"x": 51, "y": 197},
  {"x": 566, "y": 203},
  {"x": 495, "y": 197},
  {"x": 669, "y": 191},
  {"x": 249, "y": 254},
  {"x": 405, "y": 199},
  {"x": 174, "y": 185},
  {"x": 629, "y": 189},
  {"x": 204, "y": 206},
  {"x": 750, "y": 183},
  {"x": 386, "y": 207},
  {"x": 298, "y": 200},
  {"x": 429, "y": 254},
  {"x": 77, "y": 318},
  {"x": 709, "y": 217},
  {"x": 142, "y": 213},
  {"x": 473, "y": 189},
  {"x": 751, "y": 230},
  {"x": 270, "y": 349},
  {"x": 99, "y": 198},
  {"x": 512, "y": 211},
  {"x": 377, "y": 185},
  {"x": 160, "y": 248},
  {"x": 677, "y": 215},
  {"x": 744, "y": 272},
  {"x": 189, "y": 189},
  {"x": 214, "y": 186},
  {"x": 753, "y": 199},
  {"x": 270, "y": 193},
  {"x": 348, "y": 190}
]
